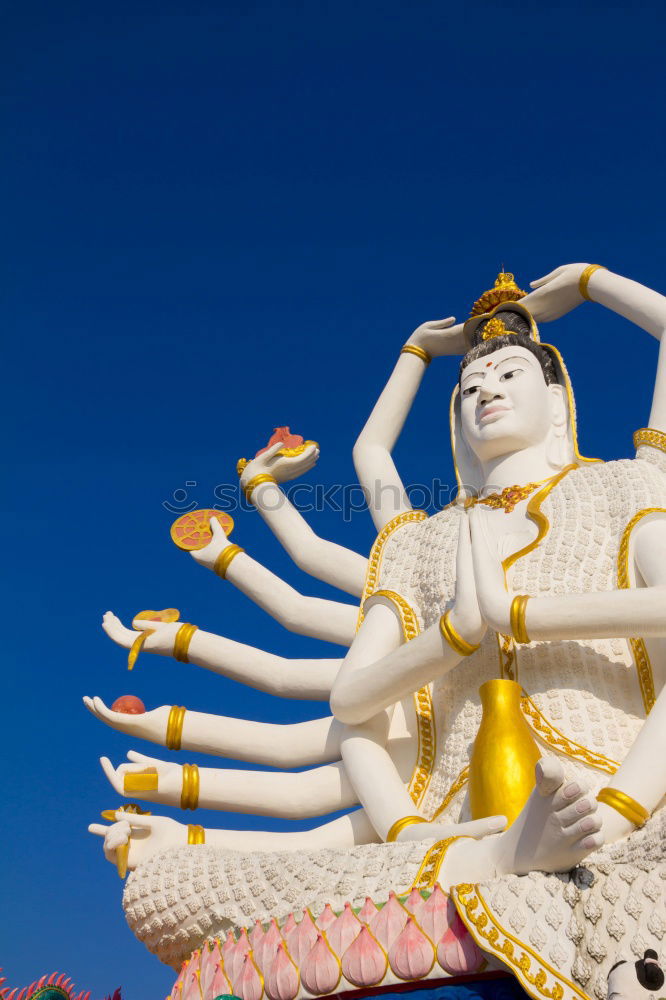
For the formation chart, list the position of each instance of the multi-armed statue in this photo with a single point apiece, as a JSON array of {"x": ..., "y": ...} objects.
[{"x": 522, "y": 624}]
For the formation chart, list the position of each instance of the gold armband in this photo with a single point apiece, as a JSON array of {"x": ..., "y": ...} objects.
[
  {"x": 625, "y": 805},
  {"x": 182, "y": 642},
  {"x": 250, "y": 487},
  {"x": 195, "y": 834},
  {"x": 147, "y": 782},
  {"x": 418, "y": 352},
  {"x": 225, "y": 558},
  {"x": 517, "y": 618},
  {"x": 454, "y": 638},
  {"x": 584, "y": 279},
  {"x": 400, "y": 825},
  {"x": 189, "y": 797},
  {"x": 647, "y": 435},
  {"x": 174, "y": 732}
]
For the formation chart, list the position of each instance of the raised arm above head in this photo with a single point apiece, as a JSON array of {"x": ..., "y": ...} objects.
[
  {"x": 307, "y": 678},
  {"x": 327, "y": 561},
  {"x": 374, "y": 465},
  {"x": 310, "y": 616},
  {"x": 570, "y": 285}
]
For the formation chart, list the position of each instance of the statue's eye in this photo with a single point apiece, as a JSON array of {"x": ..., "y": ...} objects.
[
  {"x": 470, "y": 390},
  {"x": 507, "y": 375}
]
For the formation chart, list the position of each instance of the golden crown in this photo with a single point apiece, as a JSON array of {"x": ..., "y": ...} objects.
[{"x": 504, "y": 290}]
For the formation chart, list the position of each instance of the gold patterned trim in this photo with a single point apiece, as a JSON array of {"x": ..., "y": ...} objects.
[
  {"x": 637, "y": 645},
  {"x": 537, "y": 977},
  {"x": 534, "y": 513},
  {"x": 651, "y": 437},
  {"x": 428, "y": 873},
  {"x": 377, "y": 551},
  {"x": 506, "y": 649},
  {"x": 425, "y": 716},
  {"x": 456, "y": 787},
  {"x": 549, "y": 734}
]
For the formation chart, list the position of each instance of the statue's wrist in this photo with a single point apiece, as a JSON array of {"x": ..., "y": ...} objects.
[{"x": 471, "y": 628}]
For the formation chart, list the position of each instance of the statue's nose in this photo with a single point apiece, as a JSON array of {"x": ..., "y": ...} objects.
[{"x": 489, "y": 392}]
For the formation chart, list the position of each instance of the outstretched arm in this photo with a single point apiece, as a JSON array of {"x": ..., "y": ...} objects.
[
  {"x": 295, "y": 745},
  {"x": 311, "y": 616},
  {"x": 274, "y": 674},
  {"x": 562, "y": 290},
  {"x": 133, "y": 839},
  {"x": 374, "y": 465},
  {"x": 299, "y": 795},
  {"x": 322, "y": 559}
]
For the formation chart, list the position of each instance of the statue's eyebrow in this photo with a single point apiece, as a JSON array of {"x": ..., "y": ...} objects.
[
  {"x": 471, "y": 374},
  {"x": 515, "y": 357}
]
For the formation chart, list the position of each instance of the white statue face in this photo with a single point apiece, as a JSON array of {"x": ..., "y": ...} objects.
[{"x": 505, "y": 404}]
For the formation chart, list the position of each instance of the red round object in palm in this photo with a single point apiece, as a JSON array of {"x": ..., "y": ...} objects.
[{"x": 128, "y": 704}]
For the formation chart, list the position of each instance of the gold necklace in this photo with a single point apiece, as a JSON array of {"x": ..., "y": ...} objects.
[{"x": 510, "y": 496}]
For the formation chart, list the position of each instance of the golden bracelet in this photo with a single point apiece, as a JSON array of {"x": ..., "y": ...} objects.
[
  {"x": 625, "y": 805},
  {"x": 250, "y": 487},
  {"x": 195, "y": 834},
  {"x": 146, "y": 782},
  {"x": 648, "y": 435},
  {"x": 584, "y": 279},
  {"x": 454, "y": 638},
  {"x": 517, "y": 618},
  {"x": 225, "y": 558},
  {"x": 189, "y": 797},
  {"x": 182, "y": 642},
  {"x": 418, "y": 352},
  {"x": 400, "y": 825},
  {"x": 174, "y": 732}
]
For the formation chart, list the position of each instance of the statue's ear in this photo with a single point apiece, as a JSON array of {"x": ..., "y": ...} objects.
[{"x": 558, "y": 403}]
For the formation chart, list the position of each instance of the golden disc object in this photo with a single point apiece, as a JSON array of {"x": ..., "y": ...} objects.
[{"x": 191, "y": 531}]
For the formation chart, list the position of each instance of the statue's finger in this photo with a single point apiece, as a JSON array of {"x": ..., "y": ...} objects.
[
  {"x": 98, "y": 829},
  {"x": 549, "y": 775},
  {"x": 485, "y": 826},
  {"x": 135, "y": 819},
  {"x": 547, "y": 277},
  {"x": 140, "y": 758},
  {"x": 110, "y": 773},
  {"x": 441, "y": 324}
]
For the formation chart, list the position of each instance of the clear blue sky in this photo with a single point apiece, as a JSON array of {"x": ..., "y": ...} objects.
[{"x": 223, "y": 217}]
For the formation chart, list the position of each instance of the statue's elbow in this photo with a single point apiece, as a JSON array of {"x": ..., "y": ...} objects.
[{"x": 345, "y": 706}]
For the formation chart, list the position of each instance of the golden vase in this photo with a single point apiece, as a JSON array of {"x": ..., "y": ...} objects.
[{"x": 501, "y": 771}]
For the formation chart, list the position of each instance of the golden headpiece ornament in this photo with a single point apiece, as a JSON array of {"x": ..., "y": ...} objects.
[
  {"x": 504, "y": 290},
  {"x": 495, "y": 328}
]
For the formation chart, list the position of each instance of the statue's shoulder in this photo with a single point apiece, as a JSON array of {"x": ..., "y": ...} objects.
[
  {"x": 650, "y": 445},
  {"x": 621, "y": 487},
  {"x": 401, "y": 542}
]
